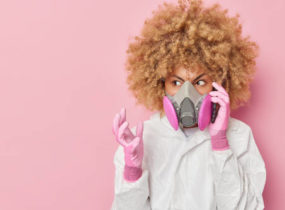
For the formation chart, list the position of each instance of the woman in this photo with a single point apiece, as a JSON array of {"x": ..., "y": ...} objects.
[{"x": 178, "y": 161}]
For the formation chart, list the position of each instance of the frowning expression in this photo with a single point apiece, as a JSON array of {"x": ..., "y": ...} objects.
[{"x": 197, "y": 77}]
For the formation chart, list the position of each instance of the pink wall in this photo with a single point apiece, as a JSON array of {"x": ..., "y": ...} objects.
[{"x": 62, "y": 80}]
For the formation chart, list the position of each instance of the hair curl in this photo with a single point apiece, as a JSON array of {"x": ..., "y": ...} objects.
[{"x": 189, "y": 34}]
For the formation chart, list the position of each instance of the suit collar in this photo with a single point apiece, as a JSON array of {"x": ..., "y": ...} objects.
[{"x": 198, "y": 134}]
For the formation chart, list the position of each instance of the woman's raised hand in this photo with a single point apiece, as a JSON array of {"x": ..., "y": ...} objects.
[
  {"x": 218, "y": 129},
  {"x": 133, "y": 145}
]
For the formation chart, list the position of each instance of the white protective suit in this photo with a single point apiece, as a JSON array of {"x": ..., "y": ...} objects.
[{"x": 182, "y": 172}]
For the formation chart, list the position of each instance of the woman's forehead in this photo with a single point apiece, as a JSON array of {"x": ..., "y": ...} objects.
[{"x": 188, "y": 72}]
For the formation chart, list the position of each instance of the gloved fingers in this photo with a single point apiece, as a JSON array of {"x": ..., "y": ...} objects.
[
  {"x": 122, "y": 115},
  {"x": 219, "y": 88},
  {"x": 118, "y": 120},
  {"x": 129, "y": 133},
  {"x": 221, "y": 102},
  {"x": 139, "y": 129},
  {"x": 220, "y": 95},
  {"x": 121, "y": 134},
  {"x": 134, "y": 144},
  {"x": 115, "y": 126},
  {"x": 221, "y": 121}
]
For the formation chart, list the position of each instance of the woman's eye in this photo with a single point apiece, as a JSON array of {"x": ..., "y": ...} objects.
[
  {"x": 176, "y": 83},
  {"x": 201, "y": 82}
]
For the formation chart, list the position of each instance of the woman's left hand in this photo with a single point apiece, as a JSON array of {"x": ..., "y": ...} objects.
[{"x": 219, "y": 127}]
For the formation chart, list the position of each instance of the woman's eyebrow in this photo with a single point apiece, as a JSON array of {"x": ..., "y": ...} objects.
[
  {"x": 178, "y": 77},
  {"x": 199, "y": 77}
]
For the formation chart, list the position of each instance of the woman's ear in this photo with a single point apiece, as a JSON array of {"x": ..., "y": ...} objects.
[{"x": 162, "y": 80}]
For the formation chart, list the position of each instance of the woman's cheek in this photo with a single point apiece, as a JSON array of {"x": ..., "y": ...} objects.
[
  {"x": 205, "y": 89},
  {"x": 170, "y": 89}
]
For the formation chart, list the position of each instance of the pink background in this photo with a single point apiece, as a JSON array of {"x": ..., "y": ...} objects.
[{"x": 62, "y": 80}]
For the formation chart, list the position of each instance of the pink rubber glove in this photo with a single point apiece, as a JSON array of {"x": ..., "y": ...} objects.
[
  {"x": 133, "y": 145},
  {"x": 218, "y": 129}
]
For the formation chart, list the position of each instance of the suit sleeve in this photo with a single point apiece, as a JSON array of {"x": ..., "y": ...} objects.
[
  {"x": 129, "y": 195},
  {"x": 239, "y": 180}
]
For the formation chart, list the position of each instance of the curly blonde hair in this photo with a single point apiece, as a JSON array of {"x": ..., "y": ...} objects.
[{"x": 189, "y": 34}]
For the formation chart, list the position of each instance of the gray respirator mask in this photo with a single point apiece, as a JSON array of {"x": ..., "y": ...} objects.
[{"x": 188, "y": 107}]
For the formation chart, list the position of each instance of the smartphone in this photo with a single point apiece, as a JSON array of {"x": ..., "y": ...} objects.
[{"x": 214, "y": 109}]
